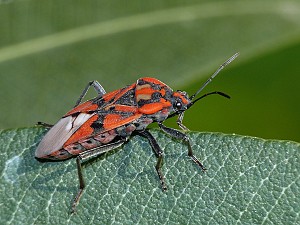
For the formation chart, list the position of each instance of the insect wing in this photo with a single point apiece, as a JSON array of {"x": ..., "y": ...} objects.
[
  {"x": 118, "y": 115},
  {"x": 100, "y": 127},
  {"x": 88, "y": 119},
  {"x": 60, "y": 133},
  {"x": 85, "y": 107}
]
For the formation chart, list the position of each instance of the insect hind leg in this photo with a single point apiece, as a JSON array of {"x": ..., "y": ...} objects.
[
  {"x": 86, "y": 155},
  {"x": 159, "y": 154},
  {"x": 96, "y": 85}
]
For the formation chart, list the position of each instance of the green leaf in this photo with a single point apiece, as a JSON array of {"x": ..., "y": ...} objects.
[{"x": 248, "y": 181}]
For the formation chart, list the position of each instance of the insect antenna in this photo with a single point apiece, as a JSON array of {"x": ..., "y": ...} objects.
[
  {"x": 210, "y": 93},
  {"x": 206, "y": 83},
  {"x": 212, "y": 77}
]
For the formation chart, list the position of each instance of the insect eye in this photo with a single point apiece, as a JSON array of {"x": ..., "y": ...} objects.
[{"x": 178, "y": 105}]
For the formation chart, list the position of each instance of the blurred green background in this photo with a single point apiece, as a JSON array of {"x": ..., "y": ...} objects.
[{"x": 49, "y": 50}]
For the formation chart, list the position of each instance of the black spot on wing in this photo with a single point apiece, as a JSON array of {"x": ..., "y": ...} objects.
[
  {"x": 142, "y": 102},
  {"x": 97, "y": 125},
  {"x": 127, "y": 98}
]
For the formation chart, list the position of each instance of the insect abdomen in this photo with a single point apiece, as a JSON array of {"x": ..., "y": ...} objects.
[{"x": 76, "y": 148}]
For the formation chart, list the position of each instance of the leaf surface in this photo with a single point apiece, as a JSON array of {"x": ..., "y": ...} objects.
[{"x": 248, "y": 181}]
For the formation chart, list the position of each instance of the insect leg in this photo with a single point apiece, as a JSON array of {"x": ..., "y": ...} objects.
[
  {"x": 81, "y": 184},
  {"x": 86, "y": 156},
  {"x": 44, "y": 124},
  {"x": 179, "y": 135},
  {"x": 179, "y": 122},
  {"x": 159, "y": 154},
  {"x": 96, "y": 85}
]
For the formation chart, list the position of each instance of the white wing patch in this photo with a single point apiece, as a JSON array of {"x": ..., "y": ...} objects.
[{"x": 60, "y": 133}]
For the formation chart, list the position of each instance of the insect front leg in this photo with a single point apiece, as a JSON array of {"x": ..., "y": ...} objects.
[
  {"x": 179, "y": 122},
  {"x": 159, "y": 154},
  {"x": 179, "y": 135},
  {"x": 86, "y": 156},
  {"x": 96, "y": 85}
]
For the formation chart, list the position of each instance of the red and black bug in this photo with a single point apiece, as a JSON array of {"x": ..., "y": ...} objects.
[{"x": 108, "y": 120}]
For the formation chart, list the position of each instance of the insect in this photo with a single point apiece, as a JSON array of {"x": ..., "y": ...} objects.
[{"x": 107, "y": 121}]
